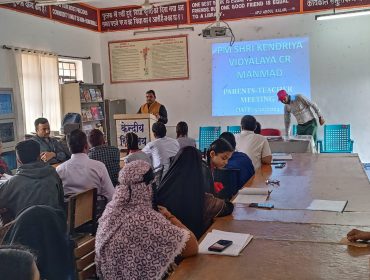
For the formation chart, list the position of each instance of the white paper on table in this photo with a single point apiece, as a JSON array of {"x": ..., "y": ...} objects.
[
  {"x": 254, "y": 191},
  {"x": 281, "y": 156},
  {"x": 240, "y": 240},
  {"x": 247, "y": 199},
  {"x": 328, "y": 205}
]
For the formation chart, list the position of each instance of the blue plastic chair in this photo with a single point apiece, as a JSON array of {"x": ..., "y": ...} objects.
[
  {"x": 336, "y": 139},
  {"x": 234, "y": 129},
  {"x": 208, "y": 134}
]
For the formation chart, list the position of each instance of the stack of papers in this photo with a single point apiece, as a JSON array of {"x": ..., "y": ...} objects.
[
  {"x": 252, "y": 195},
  {"x": 240, "y": 240},
  {"x": 328, "y": 205},
  {"x": 281, "y": 156}
]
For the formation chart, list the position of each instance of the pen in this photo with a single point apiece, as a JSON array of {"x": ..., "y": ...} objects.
[{"x": 268, "y": 194}]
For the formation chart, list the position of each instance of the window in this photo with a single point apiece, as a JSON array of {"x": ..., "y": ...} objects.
[{"x": 67, "y": 71}]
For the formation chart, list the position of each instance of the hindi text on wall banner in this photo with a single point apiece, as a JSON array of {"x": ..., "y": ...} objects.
[
  {"x": 318, "y": 5},
  {"x": 129, "y": 17},
  {"x": 29, "y": 8},
  {"x": 164, "y": 58},
  {"x": 204, "y": 10},
  {"x": 77, "y": 15}
]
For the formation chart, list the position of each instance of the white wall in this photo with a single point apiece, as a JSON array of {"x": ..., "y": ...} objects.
[
  {"x": 340, "y": 74},
  {"x": 32, "y": 32}
]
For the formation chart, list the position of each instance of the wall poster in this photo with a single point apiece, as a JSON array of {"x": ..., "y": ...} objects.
[{"x": 152, "y": 59}]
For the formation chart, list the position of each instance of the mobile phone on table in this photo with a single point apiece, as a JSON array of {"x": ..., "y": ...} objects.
[
  {"x": 281, "y": 165},
  {"x": 262, "y": 205},
  {"x": 220, "y": 245}
]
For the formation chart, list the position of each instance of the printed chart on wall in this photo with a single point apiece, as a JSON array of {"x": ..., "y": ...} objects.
[
  {"x": 164, "y": 58},
  {"x": 247, "y": 75}
]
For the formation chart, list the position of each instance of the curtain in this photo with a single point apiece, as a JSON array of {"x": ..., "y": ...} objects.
[
  {"x": 50, "y": 91},
  {"x": 15, "y": 70},
  {"x": 38, "y": 88}
]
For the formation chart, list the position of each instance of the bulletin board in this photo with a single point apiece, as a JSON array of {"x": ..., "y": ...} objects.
[{"x": 154, "y": 59}]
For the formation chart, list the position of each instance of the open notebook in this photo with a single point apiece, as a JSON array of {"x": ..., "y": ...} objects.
[
  {"x": 252, "y": 195},
  {"x": 240, "y": 240}
]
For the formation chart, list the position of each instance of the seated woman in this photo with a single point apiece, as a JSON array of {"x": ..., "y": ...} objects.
[
  {"x": 182, "y": 135},
  {"x": 134, "y": 241},
  {"x": 17, "y": 263},
  {"x": 218, "y": 155},
  {"x": 132, "y": 143},
  {"x": 184, "y": 190},
  {"x": 239, "y": 161},
  {"x": 43, "y": 229}
]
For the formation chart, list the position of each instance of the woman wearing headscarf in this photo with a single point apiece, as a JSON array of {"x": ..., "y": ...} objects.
[
  {"x": 43, "y": 229},
  {"x": 185, "y": 192},
  {"x": 134, "y": 241}
]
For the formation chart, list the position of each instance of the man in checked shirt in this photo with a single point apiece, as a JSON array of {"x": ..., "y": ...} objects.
[{"x": 300, "y": 107}]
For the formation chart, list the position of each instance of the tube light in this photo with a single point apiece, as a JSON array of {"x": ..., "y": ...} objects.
[{"x": 343, "y": 14}]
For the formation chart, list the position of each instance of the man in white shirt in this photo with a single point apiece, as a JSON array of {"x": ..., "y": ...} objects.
[
  {"x": 80, "y": 172},
  {"x": 254, "y": 145},
  {"x": 162, "y": 148}
]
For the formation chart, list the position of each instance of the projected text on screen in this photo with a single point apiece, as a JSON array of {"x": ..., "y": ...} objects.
[{"x": 247, "y": 75}]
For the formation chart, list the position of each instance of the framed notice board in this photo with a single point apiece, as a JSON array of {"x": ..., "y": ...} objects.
[{"x": 153, "y": 59}]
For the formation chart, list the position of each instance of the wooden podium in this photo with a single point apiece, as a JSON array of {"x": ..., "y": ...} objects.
[{"x": 140, "y": 124}]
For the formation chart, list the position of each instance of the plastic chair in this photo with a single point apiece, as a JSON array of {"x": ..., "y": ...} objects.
[
  {"x": 270, "y": 132},
  {"x": 294, "y": 130},
  {"x": 208, "y": 134},
  {"x": 234, "y": 129},
  {"x": 336, "y": 139}
]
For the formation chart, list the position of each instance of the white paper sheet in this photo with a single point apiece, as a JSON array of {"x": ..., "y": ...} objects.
[
  {"x": 254, "y": 191},
  {"x": 247, "y": 199},
  {"x": 240, "y": 240},
  {"x": 281, "y": 156},
  {"x": 327, "y": 205}
]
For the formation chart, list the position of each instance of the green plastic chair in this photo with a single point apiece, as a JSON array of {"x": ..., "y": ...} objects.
[
  {"x": 336, "y": 139},
  {"x": 208, "y": 134},
  {"x": 234, "y": 129},
  {"x": 294, "y": 130}
]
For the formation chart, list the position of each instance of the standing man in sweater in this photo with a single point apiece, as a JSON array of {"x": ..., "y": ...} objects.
[
  {"x": 153, "y": 107},
  {"x": 300, "y": 107}
]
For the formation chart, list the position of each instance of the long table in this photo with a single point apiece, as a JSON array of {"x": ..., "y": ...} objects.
[{"x": 291, "y": 242}]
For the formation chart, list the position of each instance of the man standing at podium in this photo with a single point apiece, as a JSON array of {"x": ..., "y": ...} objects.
[
  {"x": 300, "y": 107},
  {"x": 153, "y": 107}
]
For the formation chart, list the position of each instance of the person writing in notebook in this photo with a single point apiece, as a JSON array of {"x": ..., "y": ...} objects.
[
  {"x": 153, "y": 107},
  {"x": 300, "y": 107},
  {"x": 356, "y": 234}
]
